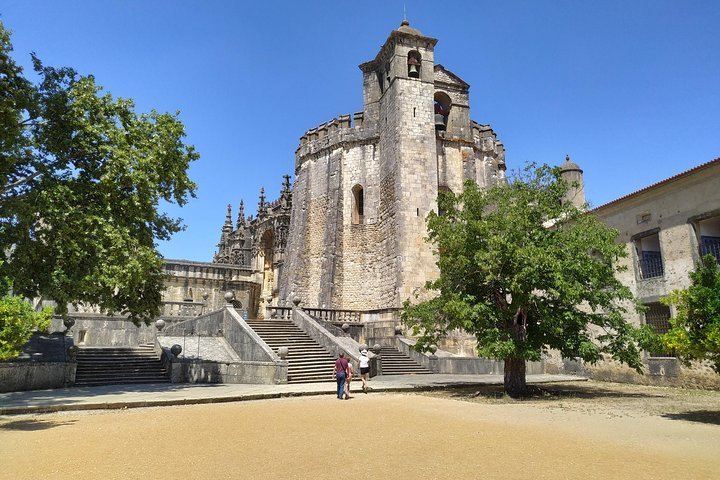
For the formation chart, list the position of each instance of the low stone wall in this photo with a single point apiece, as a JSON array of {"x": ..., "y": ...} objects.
[
  {"x": 381, "y": 332},
  {"x": 662, "y": 372},
  {"x": 210, "y": 324},
  {"x": 448, "y": 363},
  {"x": 21, "y": 376},
  {"x": 43, "y": 364},
  {"x": 263, "y": 373},
  {"x": 103, "y": 331}
]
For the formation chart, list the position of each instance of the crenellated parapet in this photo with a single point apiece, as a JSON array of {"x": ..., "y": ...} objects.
[
  {"x": 339, "y": 131},
  {"x": 486, "y": 140}
]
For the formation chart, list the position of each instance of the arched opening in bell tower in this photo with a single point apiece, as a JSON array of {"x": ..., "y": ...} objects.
[
  {"x": 442, "y": 110},
  {"x": 414, "y": 61}
]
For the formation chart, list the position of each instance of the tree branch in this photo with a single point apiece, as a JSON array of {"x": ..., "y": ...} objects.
[{"x": 17, "y": 183}]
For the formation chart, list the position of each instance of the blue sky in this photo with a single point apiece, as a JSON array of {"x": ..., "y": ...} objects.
[{"x": 630, "y": 89}]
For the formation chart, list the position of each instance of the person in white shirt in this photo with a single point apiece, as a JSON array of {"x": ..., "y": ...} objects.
[{"x": 364, "y": 369}]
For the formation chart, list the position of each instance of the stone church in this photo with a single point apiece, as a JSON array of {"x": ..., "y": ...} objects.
[
  {"x": 350, "y": 233},
  {"x": 346, "y": 242}
]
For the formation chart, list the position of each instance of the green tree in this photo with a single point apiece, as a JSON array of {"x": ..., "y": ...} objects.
[
  {"x": 82, "y": 176},
  {"x": 18, "y": 321},
  {"x": 695, "y": 330},
  {"x": 525, "y": 272}
]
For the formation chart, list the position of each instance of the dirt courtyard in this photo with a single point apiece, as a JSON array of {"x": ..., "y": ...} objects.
[{"x": 576, "y": 430}]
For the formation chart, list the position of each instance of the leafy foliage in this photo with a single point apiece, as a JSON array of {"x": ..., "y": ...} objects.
[
  {"x": 525, "y": 272},
  {"x": 81, "y": 179},
  {"x": 695, "y": 332},
  {"x": 18, "y": 321}
]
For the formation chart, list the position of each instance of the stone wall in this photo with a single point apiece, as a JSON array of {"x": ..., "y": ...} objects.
[
  {"x": 104, "y": 331},
  {"x": 392, "y": 151},
  {"x": 43, "y": 364},
  {"x": 190, "y": 281},
  {"x": 669, "y": 209},
  {"x": 16, "y": 377}
]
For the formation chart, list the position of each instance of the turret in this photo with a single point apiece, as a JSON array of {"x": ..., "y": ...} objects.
[{"x": 573, "y": 175}]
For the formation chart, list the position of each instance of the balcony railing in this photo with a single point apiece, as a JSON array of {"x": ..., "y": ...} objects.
[
  {"x": 710, "y": 245},
  {"x": 651, "y": 265}
]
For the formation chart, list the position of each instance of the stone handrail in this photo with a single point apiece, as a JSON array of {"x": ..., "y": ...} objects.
[
  {"x": 321, "y": 335},
  {"x": 282, "y": 313},
  {"x": 182, "y": 309},
  {"x": 333, "y": 315}
]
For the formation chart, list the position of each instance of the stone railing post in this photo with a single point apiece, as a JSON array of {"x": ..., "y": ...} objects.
[{"x": 434, "y": 361}]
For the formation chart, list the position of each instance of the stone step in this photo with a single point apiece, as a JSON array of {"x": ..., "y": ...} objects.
[
  {"x": 119, "y": 365},
  {"x": 307, "y": 360},
  {"x": 95, "y": 368},
  {"x": 117, "y": 354},
  {"x": 394, "y": 362},
  {"x": 114, "y": 360},
  {"x": 120, "y": 382},
  {"x": 310, "y": 378}
]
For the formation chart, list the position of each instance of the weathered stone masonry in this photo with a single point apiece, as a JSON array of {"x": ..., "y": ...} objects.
[{"x": 397, "y": 154}]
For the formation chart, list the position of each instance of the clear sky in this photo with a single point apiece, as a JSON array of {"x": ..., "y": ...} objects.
[{"x": 630, "y": 89}]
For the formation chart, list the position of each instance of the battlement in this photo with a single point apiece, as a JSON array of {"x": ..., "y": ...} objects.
[
  {"x": 486, "y": 138},
  {"x": 338, "y": 123},
  {"x": 340, "y": 130}
]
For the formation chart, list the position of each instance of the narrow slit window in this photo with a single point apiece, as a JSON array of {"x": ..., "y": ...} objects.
[{"x": 358, "y": 206}]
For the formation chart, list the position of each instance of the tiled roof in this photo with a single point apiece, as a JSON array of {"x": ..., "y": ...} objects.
[{"x": 662, "y": 182}]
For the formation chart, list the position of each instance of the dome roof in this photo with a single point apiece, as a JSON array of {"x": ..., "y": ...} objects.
[
  {"x": 569, "y": 165},
  {"x": 406, "y": 28}
]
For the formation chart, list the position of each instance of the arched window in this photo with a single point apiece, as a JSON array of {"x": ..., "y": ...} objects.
[
  {"x": 414, "y": 61},
  {"x": 442, "y": 110},
  {"x": 358, "y": 205}
]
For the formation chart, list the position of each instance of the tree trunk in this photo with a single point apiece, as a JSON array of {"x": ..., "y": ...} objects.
[{"x": 515, "y": 385}]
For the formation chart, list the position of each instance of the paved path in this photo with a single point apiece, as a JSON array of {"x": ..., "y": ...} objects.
[{"x": 130, "y": 396}]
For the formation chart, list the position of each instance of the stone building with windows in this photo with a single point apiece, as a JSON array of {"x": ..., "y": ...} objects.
[
  {"x": 666, "y": 228},
  {"x": 349, "y": 235}
]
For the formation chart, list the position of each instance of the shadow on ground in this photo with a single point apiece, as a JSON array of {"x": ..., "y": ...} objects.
[
  {"x": 34, "y": 424},
  {"x": 711, "y": 417},
  {"x": 544, "y": 392}
]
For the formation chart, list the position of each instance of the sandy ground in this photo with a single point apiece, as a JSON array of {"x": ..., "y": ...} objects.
[{"x": 575, "y": 431}]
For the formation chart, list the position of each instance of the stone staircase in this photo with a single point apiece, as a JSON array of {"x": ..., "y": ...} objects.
[
  {"x": 118, "y": 365},
  {"x": 395, "y": 362},
  {"x": 307, "y": 360}
]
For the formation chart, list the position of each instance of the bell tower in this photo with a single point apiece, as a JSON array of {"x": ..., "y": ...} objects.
[{"x": 398, "y": 90}]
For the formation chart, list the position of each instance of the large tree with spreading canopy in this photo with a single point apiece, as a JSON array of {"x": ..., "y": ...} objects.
[
  {"x": 82, "y": 179},
  {"x": 525, "y": 272}
]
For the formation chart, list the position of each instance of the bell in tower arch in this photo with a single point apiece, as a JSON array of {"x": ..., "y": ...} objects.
[
  {"x": 413, "y": 71},
  {"x": 414, "y": 61}
]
